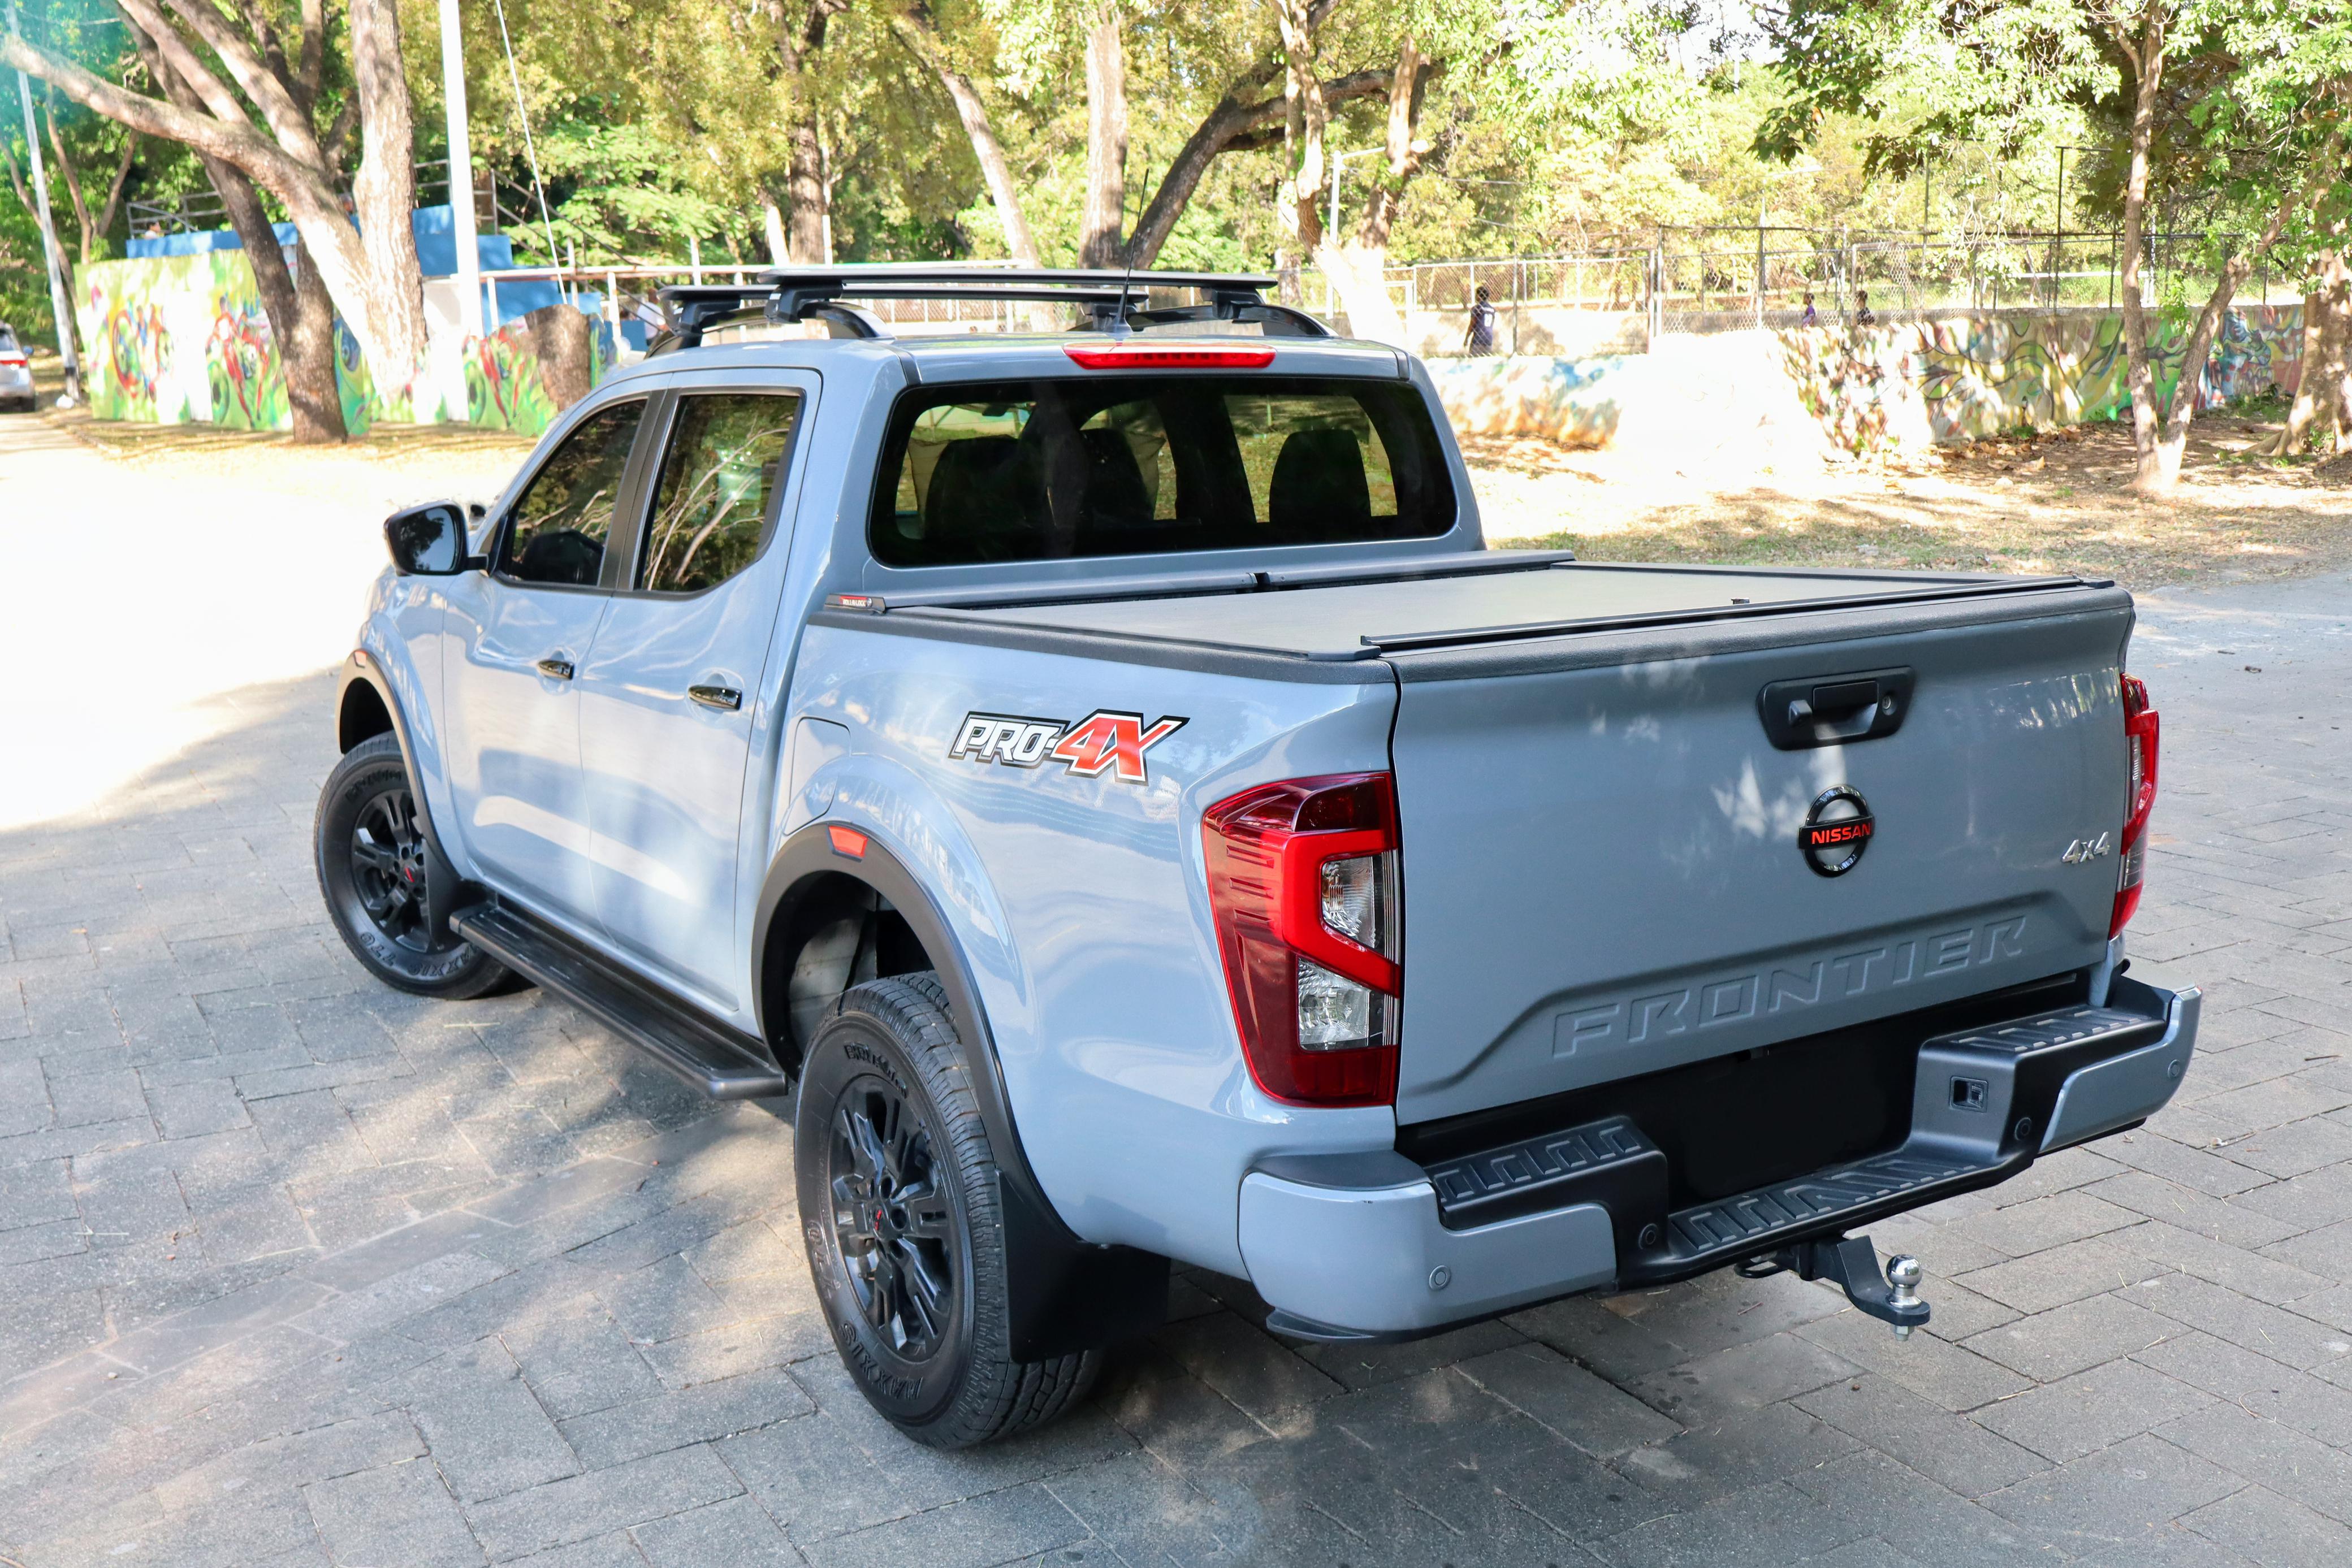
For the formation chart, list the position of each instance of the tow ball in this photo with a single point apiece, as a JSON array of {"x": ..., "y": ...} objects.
[{"x": 1852, "y": 1262}]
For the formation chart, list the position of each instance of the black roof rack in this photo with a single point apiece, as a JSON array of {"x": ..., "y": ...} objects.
[{"x": 1115, "y": 299}]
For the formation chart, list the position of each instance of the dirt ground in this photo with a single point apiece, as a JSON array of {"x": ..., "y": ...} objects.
[{"x": 2042, "y": 504}]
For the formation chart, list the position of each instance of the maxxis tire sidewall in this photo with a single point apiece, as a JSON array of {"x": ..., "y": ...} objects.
[
  {"x": 854, "y": 1044},
  {"x": 455, "y": 971}
]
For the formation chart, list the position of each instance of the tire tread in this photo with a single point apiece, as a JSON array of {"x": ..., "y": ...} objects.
[{"x": 1000, "y": 1396}]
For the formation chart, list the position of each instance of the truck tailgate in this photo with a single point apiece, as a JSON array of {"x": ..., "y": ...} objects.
[{"x": 1603, "y": 871}]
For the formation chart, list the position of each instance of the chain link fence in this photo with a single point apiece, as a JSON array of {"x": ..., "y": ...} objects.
[{"x": 1741, "y": 279}]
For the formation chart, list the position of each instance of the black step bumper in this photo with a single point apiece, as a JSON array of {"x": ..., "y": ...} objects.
[{"x": 1376, "y": 1244}]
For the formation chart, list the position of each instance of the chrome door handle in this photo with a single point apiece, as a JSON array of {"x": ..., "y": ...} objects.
[
  {"x": 556, "y": 669},
  {"x": 726, "y": 699}
]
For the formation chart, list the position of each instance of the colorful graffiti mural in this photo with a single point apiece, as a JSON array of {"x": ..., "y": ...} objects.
[
  {"x": 1872, "y": 390},
  {"x": 503, "y": 387},
  {"x": 180, "y": 340},
  {"x": 1884, "y": 388}
]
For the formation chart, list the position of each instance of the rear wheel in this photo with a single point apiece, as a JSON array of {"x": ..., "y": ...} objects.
[
  {"x": 369, "y": 844},
  {"x": 899, "y": 1209}
]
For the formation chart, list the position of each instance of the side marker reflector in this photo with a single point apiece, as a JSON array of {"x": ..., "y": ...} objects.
[{"x": 847, "y": 841}]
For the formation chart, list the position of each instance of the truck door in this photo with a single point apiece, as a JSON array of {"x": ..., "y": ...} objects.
[
  {"x": 517, "y": 635},
  {"x": 669, "y": 694}
]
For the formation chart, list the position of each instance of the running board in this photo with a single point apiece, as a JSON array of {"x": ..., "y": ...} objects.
[{"x": 719, "y": 1061}]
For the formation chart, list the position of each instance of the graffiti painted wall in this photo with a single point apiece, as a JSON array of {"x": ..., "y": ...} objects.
[
  {"x": 182, "y": 340},
  {"x": 1913, "y": 384},
  {"x": 1576, "y": 402},
  {"x": 1880, "y": 388}
]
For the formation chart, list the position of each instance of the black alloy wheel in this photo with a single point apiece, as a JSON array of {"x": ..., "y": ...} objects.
[
  {"x": 375, "y": 869},
  {"x": 899, "y": 1233},
  {"x": 387, "y": 852}
]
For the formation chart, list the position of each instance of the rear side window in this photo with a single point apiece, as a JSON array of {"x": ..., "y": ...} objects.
[
  {"x": 719, "y": 484},
  {"x": 564, "y": 519},
  {"x": 1133, "y": 466},
  {"x": 8, "y": 341}
]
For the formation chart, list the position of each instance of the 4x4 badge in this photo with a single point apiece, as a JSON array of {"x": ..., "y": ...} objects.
[
  {"x": 1102, "y": 742},
  {"x": 1836, "y": 831}
]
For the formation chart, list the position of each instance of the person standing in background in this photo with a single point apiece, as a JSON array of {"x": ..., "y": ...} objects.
[{"x": 1480, "y": 338}]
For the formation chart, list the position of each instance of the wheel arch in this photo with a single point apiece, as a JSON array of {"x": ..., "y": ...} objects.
[
  {"x": 367, "y": 706},
  {"x": 1068, "y": 1294}
]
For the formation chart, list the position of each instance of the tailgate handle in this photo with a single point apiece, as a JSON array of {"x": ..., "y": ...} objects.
[{"x": 1834, "y": 710}]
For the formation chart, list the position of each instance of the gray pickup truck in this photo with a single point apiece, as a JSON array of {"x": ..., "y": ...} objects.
[{"x": 1103, "y": 780}]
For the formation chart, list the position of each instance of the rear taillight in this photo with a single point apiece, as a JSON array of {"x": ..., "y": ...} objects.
[
  {"x": 1304, "y": 883},
  {"x": 2139, "y": 739},
  {"x": 14, "y": 361}
]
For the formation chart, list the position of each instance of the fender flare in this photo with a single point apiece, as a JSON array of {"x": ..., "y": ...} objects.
[
  {"x": 444, "y": 890},
  {"x": 1067, "y": 1294}
]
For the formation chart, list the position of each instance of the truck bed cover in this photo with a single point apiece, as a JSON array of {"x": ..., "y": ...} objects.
[{"x": 1350, "y": 622}]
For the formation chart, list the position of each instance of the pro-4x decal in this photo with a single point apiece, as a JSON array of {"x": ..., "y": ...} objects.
[{"x": 1102, "y": 742}]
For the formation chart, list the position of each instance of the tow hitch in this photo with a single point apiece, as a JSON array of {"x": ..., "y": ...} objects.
[{"x": 1852, "y": 1262}]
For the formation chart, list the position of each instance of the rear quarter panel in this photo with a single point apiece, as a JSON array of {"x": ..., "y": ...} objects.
[{"x": 1082, "y": 908}]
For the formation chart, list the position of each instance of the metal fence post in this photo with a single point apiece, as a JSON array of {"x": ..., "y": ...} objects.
[{"x": 1759, "y": 275}]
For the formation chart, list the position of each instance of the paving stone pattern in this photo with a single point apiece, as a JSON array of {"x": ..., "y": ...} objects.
[{"x": 296, "y": 1270}]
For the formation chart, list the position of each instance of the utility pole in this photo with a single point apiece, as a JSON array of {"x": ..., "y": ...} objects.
[
  {"x": 461, "y": 176},
  {"x": 59, "y": 309}
]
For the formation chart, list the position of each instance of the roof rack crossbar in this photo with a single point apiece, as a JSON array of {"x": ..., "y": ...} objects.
[{"x": 1114, "y": 298}]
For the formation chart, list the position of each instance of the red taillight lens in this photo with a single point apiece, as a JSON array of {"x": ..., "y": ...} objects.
[
  {"x": 2139, "y": 737},
  {"x": 14, "y": 361},
  {"x": 1304, "y": 883},
  {"x": 1171, "y": 359}
]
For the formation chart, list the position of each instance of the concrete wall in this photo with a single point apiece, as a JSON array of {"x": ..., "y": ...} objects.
[{"x": 1881, "y": 388}]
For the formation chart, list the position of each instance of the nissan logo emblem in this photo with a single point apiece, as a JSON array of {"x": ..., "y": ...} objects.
[{"x": 1836, "y": 831}]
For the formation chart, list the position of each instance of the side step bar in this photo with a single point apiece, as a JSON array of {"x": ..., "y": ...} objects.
[{"x": 721, "y": 1063}]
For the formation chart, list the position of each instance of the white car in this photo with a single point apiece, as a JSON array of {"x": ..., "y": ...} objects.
[{"x": 16, "y": 372}]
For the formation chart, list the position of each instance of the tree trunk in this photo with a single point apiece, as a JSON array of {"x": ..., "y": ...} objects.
[
  {"x": 385, "y": 194},
  {"x": 771, "y": 223},
  {"x": 2318, "y": 388},
  {"x": 2173, "y": 439},
  {"x": 311, "y": 355},
  {"x": 804, "y": 234},
  {"x": 327, "y": 238},
  {"x": 807, "y": 235},
  {"x": 1305, "y": 177},
  {"x": 301, "y": 317},
  {"x": 1359, "y": 270},
  {"x": 71, "y": 176},
  {"x": 1102, "y": 228},
  {"x": 920, "y": 33},
  {"x": 558, "y": 333},
  {"x": 2147, "y": 56},
  {"x": 1239, "y": 122},
  {"x": 306, "y": 348}
]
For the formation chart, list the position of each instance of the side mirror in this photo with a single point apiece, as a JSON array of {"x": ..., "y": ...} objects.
[{"x": 428, "y": 541}]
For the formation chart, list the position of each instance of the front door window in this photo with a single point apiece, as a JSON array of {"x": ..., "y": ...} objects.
[{"x": 563, "y": 521}]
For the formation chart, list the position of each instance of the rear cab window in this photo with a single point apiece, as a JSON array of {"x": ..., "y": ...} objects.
[{"x": 1114, "y": 466}]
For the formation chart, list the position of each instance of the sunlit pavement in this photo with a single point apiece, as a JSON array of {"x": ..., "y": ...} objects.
[{"x": 294, "y": 1269}]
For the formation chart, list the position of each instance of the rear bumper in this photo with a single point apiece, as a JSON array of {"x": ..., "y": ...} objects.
[{"x": 1373, "y": 1244}]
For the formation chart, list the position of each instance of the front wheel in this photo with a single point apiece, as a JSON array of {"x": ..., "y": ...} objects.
[
  {"x": 369, "y": 847},
  {"x": 900, "y": 1211}
]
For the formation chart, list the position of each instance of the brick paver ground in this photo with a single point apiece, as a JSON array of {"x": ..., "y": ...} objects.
[{"x": 297, "y": 1270}]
